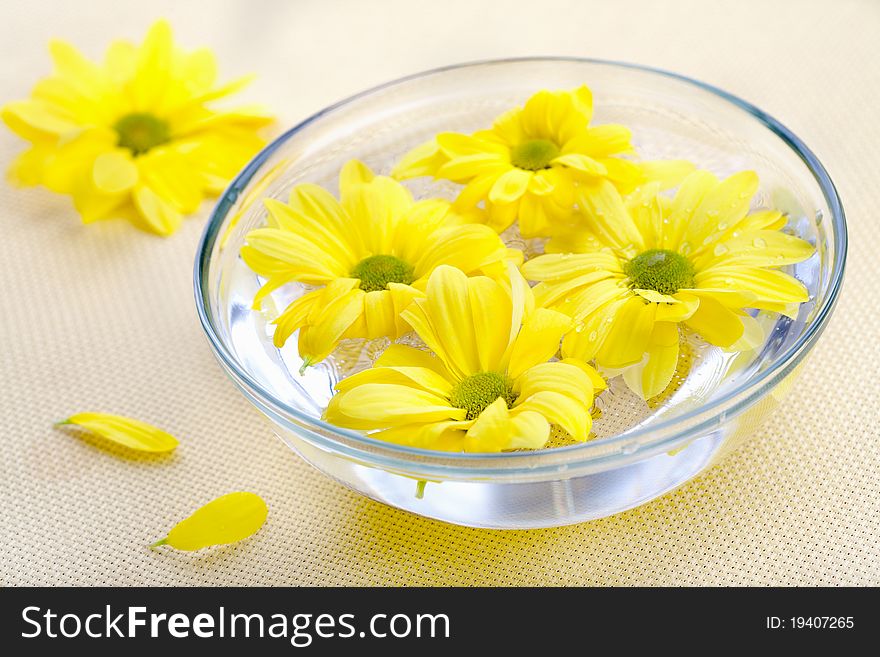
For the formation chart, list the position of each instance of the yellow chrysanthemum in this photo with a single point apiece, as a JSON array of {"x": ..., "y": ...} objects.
[
  {"x": 637, "y": 269},
  {"x": 489, "y": 387},
  {"x": 527, "y": 165},
  {"x": 133, "y": 137},
  {"x": 368, "y": 255}
]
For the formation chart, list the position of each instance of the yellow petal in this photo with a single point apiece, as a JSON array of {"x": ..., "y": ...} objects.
[
  {"x": 602, "y": 141},
  {"x": 295, "y": 316},
  {"x": 582, "y": 163},
  {"x": 763, "y": 220},
  {"x": 560, "y": 266},
  {"x": 317, "y": 204},
  {"x": 374, "y": 209},
  {"x": 528, "y": 430},
  {"x": 667, "y": 173},
  {"x": 389, "y": 404},
  {"x": 160, "y": 216},
  {"x": 379, "y": 314},
  {"x": 114, "y": 172},
  {"x": 628, "y": 335},
  {"x": 448, "y": 306},
  {"x": 320, "y": 337},
  {"x": 688, "y": 197},
  {"x": 465, "y": 168},
  {"x": 538, "y": 340},
  {"x": 407, "y": 375},
  {"x": 464, "y": 247},
  {"x": 491, "y": 315},
  {"x": 445, "y": 436},
  {"x": 685, "y": 305},
  {"x": 596, "y": 379},
  {"x": 652, "y": 377},
  {"x": 564, "y": 378},
  {"x": 585, "y": 341},
  {"x": 761, "y": 248},
  {"x": 35, "y": 120},
  {"x": 722, "y": 207},
  {"x": 423, "y": 160},
  {"x": 491, "y": 431},
  {"x": 608, "y": 217},
  {"x": 323, "y": 231},
  {"x": 304, "y": 259},
  {"x": 401, "y": 355},
  {"x": 766, "y": 284},
  {"x": 510, "y": 186},
  {"x": 716, "y": 323},
  {"x": 352, "y": 174},
  {"x": 153, "y": 68},
  {"x": 227, "y": 519},
  {"x": 562, "y": 410},
  {"x": 124, "y": 431},
  {"x": 564, "y": 295}
]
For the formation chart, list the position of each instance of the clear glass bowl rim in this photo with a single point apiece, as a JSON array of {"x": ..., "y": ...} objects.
[{"x": 634, "y": 444}]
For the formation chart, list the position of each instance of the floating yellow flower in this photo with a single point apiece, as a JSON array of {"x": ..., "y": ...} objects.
[
  {"x": 124, "y": 431},
  {"x": 227, "y": 519},
  {"x": 527, "y": 165},
  {"x": 368, "y": 255},
  {"x": 133, "y": 137},
  {"x": 635, "y": 270},
  {"x": 489, "y": 387}
]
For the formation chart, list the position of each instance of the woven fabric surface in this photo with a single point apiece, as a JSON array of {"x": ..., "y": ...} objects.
[{"x": 102, "y": 318}]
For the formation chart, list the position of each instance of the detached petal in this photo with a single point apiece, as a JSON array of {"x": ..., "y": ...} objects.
[
  {"x": 227, "y": 519},
  {"x": 124, "y": 431}
]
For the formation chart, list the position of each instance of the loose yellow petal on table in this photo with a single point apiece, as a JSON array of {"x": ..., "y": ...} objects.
[
  {"x": 124, "y": 431},
  {"x": 227, "y": 519}
]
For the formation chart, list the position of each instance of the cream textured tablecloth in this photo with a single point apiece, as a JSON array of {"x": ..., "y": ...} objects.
[{"x": 102, "y": 318}]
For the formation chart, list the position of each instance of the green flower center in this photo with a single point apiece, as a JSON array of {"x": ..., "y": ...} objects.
[
  {"x": 533, "y": 155},
  {"x": 479, "y": 390},
  {"x": 139, "y": 132},
  {"x": 660, "y": 270},
  {"x": 377, "y": 271}
]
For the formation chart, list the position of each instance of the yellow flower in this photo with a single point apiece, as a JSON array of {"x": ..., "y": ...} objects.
[
  {"x": 368, "y": 256},
  {"x": 133, "y": 136},
  {"x": 528, "y": 164},
  {"x": 124, "y": 431},
  {"x": 489, "y": 387},
  {"x": 227, "y": 519},
  {"x": 637, "y": 269}
]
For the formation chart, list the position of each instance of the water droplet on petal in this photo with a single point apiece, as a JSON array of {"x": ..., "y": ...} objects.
[
  {"x": 593, "y": 335},
  {"x": 759, "y": 243},
  {"x": 720, "y": 249},
  {"x": 712, "y": 213},
  {"x": 722, "y": 225},
  {"x": 685, "y": 248}
]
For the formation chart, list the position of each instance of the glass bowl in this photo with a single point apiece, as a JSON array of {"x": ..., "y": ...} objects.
[{"x": 640, "y": 451}]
